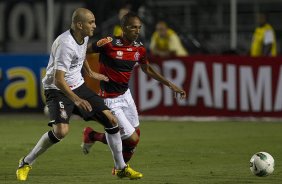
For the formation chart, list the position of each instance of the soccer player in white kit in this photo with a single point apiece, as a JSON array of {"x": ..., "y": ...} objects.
[
  {"x": 117, "y": 59},
  {"x": 66, "y": 93}
]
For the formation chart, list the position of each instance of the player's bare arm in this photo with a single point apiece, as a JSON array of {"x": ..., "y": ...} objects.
[
  {"x": 150, "y": 71},
  {"x": 93, "y": 74},
  {"x": 62, "y": 85}
]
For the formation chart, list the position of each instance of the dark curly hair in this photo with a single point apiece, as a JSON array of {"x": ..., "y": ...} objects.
[{"x": 125, "y": 19}]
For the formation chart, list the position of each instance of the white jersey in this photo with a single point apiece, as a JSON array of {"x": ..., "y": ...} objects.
[{"x": 68, "y": 56}]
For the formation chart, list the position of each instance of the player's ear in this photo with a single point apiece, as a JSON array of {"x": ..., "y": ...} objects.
[{"x": 79, "y": 25}]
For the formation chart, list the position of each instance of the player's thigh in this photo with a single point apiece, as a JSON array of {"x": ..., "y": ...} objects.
[
  {"x": 131, "y": 114},
  {"x": 59, "y": 106},
  {"x": 126, "y": 128},
  {"x": 95, "y": 101},
  {"x": 61, "y": 130}
]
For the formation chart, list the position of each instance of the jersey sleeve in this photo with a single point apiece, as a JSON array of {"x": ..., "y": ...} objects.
[
  {"x": 101, "y": 44},
  {"x": 63, "y": 57},
  {"x": 143, "y": 56}
]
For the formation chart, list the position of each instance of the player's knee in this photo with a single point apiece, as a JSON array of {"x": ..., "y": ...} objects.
[
  {"x": 113, "y": 120},
  {"x": 134, "y": 138},
  {"x": 107, "y": 119},
  {"x": 137, "y": 130},
  {"x": 61, "y": 130},
  {"x": 61, "y": 134},
  {"x": 129, "y": 146},
  {"x": 112, "y": 127},
  {"x": 131, "y": 142}
]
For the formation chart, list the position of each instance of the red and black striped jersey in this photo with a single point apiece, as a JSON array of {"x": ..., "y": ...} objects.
[{"x": 117, "y": 60}]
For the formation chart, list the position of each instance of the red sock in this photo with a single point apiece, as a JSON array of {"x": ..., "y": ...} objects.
[
  {"x": 128, "y": 149},
  {"x": 127, "y": 156},
  {"x": 137, "y": 130},
  {"x": 97, "y": 136}
]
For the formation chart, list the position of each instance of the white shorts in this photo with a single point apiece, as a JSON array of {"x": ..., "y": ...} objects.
[{"x": 124, "y": 109}]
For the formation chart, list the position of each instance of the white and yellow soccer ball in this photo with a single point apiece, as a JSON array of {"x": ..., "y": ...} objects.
[{"x": 262, "y": 164}]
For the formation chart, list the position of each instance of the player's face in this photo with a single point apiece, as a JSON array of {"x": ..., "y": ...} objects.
[
  {"x": 261, "y": 19},
  {"x": 162, "y": 30},
  {"x": 89, "y": 25},
  {"x": 132, "y": 30}
]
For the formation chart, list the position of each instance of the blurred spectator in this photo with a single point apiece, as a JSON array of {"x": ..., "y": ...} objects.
[
  {"x": 263, "y": 41},
  {"x": 165, "y": 42},
  {"x": 117, "y": 29},
  {"x": 146, "y": 17}
]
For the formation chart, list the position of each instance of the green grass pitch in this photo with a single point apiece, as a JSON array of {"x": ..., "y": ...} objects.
[{"x": 168, "y": 153}]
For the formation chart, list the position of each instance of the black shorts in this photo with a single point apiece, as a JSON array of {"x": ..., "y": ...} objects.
[{"x": 61, "y": 107}]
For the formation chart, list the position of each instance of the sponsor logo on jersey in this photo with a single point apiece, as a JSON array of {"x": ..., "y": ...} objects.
[
  {"x": 129, "y": 49},
  {"x": 104, "y": 41},
  {"x": 136, "y": 56},
  {"x": 119, "y": 54}
]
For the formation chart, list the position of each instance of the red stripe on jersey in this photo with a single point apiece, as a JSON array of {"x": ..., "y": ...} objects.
[{"x": 116, "y": 76}]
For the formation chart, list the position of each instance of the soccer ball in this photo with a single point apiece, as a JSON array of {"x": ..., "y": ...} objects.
[{"x": 262, "y": 164}]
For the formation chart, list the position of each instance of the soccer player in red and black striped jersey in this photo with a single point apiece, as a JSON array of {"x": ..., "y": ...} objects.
[{"x": 118, "y": 57}]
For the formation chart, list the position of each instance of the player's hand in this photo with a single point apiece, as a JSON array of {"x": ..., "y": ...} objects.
[
  {"x": 99, "y": 76},
  {"x": 83, "y": 104},
  {"x": 177, "y": 90}
]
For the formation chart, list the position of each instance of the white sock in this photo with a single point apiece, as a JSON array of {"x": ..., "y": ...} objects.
[
  {"x": 115, "y": 144},
  {"x": 42, "y": 145}
]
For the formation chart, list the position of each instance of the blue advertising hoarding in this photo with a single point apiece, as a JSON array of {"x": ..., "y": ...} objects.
[{"x": 20, "y": 82}]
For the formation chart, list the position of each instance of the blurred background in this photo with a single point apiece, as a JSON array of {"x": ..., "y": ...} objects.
[
  {"x": 205, "y": 26},
  {"x": 217, "y": 70}
]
